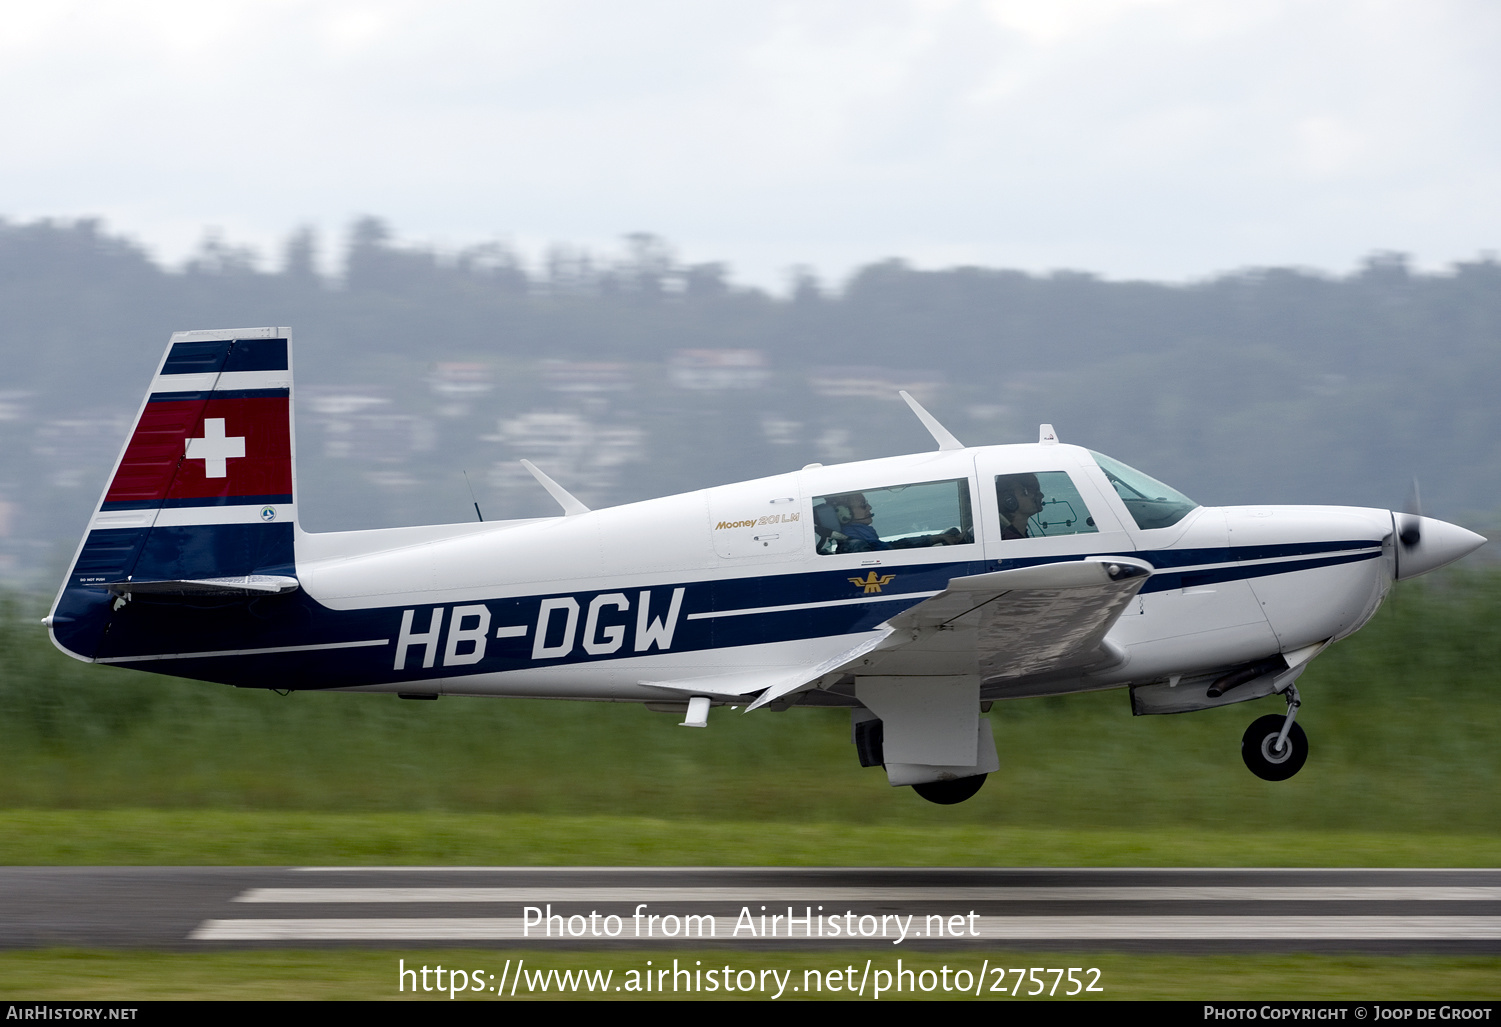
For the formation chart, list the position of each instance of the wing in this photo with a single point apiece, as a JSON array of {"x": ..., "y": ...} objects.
[{"x": 1026, "y": 622}]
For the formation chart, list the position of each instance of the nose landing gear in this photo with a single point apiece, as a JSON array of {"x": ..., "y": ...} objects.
[{"x": 1273, "y": 747}]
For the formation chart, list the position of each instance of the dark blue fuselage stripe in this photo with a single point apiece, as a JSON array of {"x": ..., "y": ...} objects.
[
  {"x": 1166, "y": 580},
  {"x": 1163, "y": 560},
  {"x": 161, "y": 626}
]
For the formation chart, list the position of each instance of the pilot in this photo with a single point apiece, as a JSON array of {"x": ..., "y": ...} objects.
[{"x": 1020, "y": 499}]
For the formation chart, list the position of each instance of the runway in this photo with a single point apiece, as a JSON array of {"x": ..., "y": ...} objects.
[{"x": 188, "y": 908}]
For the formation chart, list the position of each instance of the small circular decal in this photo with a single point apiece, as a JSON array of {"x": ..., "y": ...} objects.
[{"x": 268, "y": 513}]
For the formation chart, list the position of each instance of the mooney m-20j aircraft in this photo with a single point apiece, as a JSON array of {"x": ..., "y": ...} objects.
[{"x": 913, "y": 590}]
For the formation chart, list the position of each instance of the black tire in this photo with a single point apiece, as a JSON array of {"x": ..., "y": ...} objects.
[
  {"x": 1256, "y": 748},
  {"x": 948, "y": 793}
]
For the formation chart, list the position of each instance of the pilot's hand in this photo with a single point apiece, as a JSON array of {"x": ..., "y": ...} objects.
[{"x": 952, "y": 537}]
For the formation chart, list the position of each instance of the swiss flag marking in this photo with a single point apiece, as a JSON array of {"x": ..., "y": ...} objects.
[
  {"x": 204, "y": 449},
  {"x": 214, "y": 449}
]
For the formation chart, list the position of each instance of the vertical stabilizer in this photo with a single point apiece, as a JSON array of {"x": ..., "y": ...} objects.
[{"x": 203, "y": 489}]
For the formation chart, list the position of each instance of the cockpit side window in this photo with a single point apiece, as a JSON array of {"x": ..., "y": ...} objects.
[
  {"x": 932, "y": 513},
  {"x": 1041, "y": 504},
  {"x": 1151, "y": 503}
]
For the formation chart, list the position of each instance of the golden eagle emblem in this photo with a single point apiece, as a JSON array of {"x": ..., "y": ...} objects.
[{"x": 871, "y": 583}]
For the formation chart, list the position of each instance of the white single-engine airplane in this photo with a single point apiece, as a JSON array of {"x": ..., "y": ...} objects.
[{"x": 913, "y": 590}]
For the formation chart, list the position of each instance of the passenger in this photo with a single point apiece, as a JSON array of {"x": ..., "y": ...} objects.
[{"x": 855, "y": 517}]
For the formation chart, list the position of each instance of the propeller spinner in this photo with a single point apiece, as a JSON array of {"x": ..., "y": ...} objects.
[{"x": 1425, "y": 544}]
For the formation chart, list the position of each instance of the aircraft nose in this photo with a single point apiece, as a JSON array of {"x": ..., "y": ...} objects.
[{"x": 1437, "y": 543}]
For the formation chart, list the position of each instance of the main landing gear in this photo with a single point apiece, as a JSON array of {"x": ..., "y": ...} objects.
[
  {"x": 947, "y": 793},
  {"x": 870, "y": 744},
  {"x": 1273, "y": 747}
]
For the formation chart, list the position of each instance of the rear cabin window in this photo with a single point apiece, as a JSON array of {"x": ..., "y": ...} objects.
[
  {"x": 1040, "y": 505},
  {"x": 932, "y": 513}
]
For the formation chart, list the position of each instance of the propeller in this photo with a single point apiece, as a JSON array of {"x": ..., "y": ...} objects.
[{"x": 1410, "y": 523}]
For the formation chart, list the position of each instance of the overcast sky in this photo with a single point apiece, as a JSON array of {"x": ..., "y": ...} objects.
[{"x": 1166, "y": 139}]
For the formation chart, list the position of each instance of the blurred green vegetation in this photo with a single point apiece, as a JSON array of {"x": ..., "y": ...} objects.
[{"x": 1402, "y": 720}]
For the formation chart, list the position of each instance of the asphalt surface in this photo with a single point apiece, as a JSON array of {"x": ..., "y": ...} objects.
[{"x": 193, "y": 908}]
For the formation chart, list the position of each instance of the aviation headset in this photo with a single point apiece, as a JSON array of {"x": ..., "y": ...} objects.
[
  {"x": 1012, "y": 484},
  {"x": 841, "y": 505}
]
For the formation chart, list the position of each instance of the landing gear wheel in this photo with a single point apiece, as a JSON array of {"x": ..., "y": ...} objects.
[
  {"x": 947, "y": 793},
  {"x": 1258, "y": 749}
]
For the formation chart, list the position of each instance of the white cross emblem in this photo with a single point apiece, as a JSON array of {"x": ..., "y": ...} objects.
[{"x": 214, "y": 449}]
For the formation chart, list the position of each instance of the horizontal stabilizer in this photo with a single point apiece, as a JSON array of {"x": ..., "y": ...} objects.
[{"x": 244, "y": 585}]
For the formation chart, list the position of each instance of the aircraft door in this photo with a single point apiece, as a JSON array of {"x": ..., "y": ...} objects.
[
  {"x": 1032, "y": 507},
  {"x": 762, "y": 518}
]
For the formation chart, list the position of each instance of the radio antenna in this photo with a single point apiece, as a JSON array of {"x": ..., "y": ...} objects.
[{"x": 472, "y": 496}]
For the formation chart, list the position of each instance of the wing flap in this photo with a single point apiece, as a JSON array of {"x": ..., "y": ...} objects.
[
  {"x": 772, "y": 684},
  {"x": 721, "y": 686},
  {"x": 802, "y": 679}
]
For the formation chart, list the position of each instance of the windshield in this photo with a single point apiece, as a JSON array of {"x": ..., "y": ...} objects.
[{"x": 1152, "y": 504}]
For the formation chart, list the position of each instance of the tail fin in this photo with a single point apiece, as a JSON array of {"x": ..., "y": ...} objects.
[{"x": 202, "y": 500}]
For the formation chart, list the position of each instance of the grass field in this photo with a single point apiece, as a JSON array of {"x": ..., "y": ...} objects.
[{"x": 199, "y": 837}]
